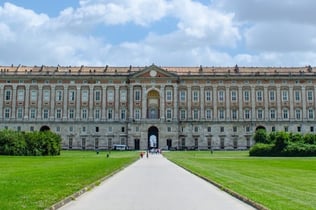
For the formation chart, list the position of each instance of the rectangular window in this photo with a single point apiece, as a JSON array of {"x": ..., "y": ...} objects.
[
  {"x": 71, "y": 114},
  {"x": 123, "y": 95},
  {"x": 182, "y": 96},
  {"x": 20, "y": 113},
  {"x": 310, "y": 114},
  {"x": 97, "y": 114},
  {"x": 110, "y": 114},
  {"x": 272, "y": 95},
  {"x": 59, "y": 95},
  {"x": 221, "y": 114},
  {"x": 169, "y": 114},
  {"x": 259, "y": 96},
  {"x": 97, "y": 95},
  {"x": 208, "y": 114},
  {"x": 21, "y": 95},
  {"x": 208, "y": 96},
  {"x": 260, "y": 114},
  {"x": 221, "y": 95},
  {"x": 7, "y": 113},
  {"x": 84, "y": 114},
  {"x": 247, "y": 114},
  {"x": 137, "y": 95},
  {"x": 246, "y": 96},
  {"x": 272, "y": 114},
  {"x": 297, "y": 95},
  {"x": 168, "y": 95},
  {"x": 310, "y": 95},
  {"x": 8, "y": 95},
  {"x": 234, "y": 96},
  {"x": 123, "y": 114},
  {"x": 234, "y": 114},
  {"x": 195, "y": 114},
  {"x": 32, "y": 113},
  {"x": 45, "y": 113},
  {"x": 58, "y": 114},
  {"x": 195, "y": 96},
  {"x": 72, "y": 95},
  {"x": 46, "y": 95},
  {"x": 33, "y": 95},
  {"x": 285, "y": 114},
  {"x": 85, "y": 96},
  {"x": 137, "y": 114},
  {"x": 182, "y": 114},
  {"x": 298, "y": 114},
  {"x": 285, "y": 95}
]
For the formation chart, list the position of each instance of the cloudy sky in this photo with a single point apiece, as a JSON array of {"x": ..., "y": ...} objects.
[{"x": 164, "y": 32}]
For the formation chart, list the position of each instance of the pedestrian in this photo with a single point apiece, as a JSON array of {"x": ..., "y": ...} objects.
[
  {"x": 141, "y": 154},
  {"x": 147, "y": 154}
]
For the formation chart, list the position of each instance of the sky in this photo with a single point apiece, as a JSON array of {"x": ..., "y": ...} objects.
[{"x": 163, "y": 32}]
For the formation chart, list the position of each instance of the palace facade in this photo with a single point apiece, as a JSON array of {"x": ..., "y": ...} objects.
[{"x": 163, "y": 107}]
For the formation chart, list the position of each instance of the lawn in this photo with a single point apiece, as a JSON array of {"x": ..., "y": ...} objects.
[
  {"x": 39, "y": 182},
  {"x": 276, "y": 183}
]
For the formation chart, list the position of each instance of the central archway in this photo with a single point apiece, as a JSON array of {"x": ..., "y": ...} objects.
[{"x": 153, "y": 138}]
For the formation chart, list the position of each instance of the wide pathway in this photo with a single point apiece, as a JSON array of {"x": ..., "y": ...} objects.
[{"x": 155, "y": 183}]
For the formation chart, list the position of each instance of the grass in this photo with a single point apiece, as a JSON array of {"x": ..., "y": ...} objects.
[
  {"x": 276, "y": 183},
  {"x": 39, "y": 182}
]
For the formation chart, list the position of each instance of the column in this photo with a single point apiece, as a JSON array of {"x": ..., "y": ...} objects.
[
  {"x": 291, "y": 101},
  {"x": 215, "y": 102},
  {"x": 162, "y": 102},
  {"x": 52, "y": 102},
  {"x": 117, "y": 103},
  {"x": 240, "y": 103},
  {"x": 40, "y": 99},
  {"x": 144, "y": 102},
  {"x": 65, "y": 110},
  {"x": 175, "y": 102},
  {"x": 278, "y": 96},
  {"x": 227, "y": 103},
  {"x": 202, "y": 96},
  {"x": 189, "y": 103},
  {"x": 266, "y": 103},
  {"x": 14, "y": 98},
  {"x": 27, "y": 101},
  {"x": 1, "y": 101},
  {"x": 304, "y": 103},
  {"x": 78, "y": 95},
  {"x": 90, "y": 102},
  {"x": 253, "y": 103},
  {"x": 131, "y": 102},
  {"x": 103, "y": 111}
]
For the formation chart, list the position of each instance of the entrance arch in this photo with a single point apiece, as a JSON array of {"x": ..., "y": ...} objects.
[
  {"x": 44, "y": 128},
  {"x": 153, "y": 138},
  {"x": 260, "y": 127}
]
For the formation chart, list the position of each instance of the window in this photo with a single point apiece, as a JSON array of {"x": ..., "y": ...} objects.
[
  {"x": 298, "y": 128},
  {"x": 32, "y": 113},
  {"x": 72, "y": 95},
  {"x": 85, "y": 96},
  {"x": 221, "y": 95},
  {"x": 97, "y": 129},
  {"x": 222, "y": 129},
  {"x": 97, "y": 95},
  {"x": 46, "y": 95},
  {"x": 20, "y": 113},
  {"x": 273, "y": 128},
  {"x": 137, "y": 95},
  {"x": 246, "y": 96},
  {"x": 71, "y": 113},
  {"x": 122, "y": 129},
  {"x": 272, "y": 95},
  {"x": 59, "y": 95},
  {"x": 168, "y": 114},
  {"x": 45, "y": 113},
  {"x": 97, "y": 114},
  {"x": 21, "y": 95},
  {"x": 196, "y": 129},
  {"x": 84, "y": 129},
  {"x": 84, "y": 114},
  {"x": 298, "y": 114},
  {"x": 272, "y": 114},
  {"x": 310, "y": 95},
  {"x": 182, "y": 114},
  {"x": 234, "y": 114},
  {"x": 33, "y": 95},
  {"x": 123, "y": 114},
  {"x": 195, "y": 114},
  {"x": 208, "y": 95},
  {"x": 110, "y": 114},
  {"x": 297, "y": 94},
  {"x": 123, "y": 95},
  {"x": 58, "y": 113},
  {"x": 137, "y": 114},
  {"x": 168, "y": 95},
  {"x": 221, "y": 114},
  {"x": 110, "y": 95},
  {"x": 234, "y": 96},
  {"x": 285, "y": 95},
  {"x": 311, "y": 129},
  {"x": 8, "y": 95},
  {"x": 247, "y": 114},
  {"x": 195, "y": 96},
  {"x": 285, "y": 113},
  {"x": 169, "y": 129},
  {"x": 259, "y": 95},
  {"x": 259, "y": 114},
  {"x": 182, "y": 96},
  {"x": 234, "y": 129},
  {"x": 7, "y": 113},
  {"x": 209, "y": 129},
  {"x": 208, "y": 114},
  {"x": 310, "y": 114}
]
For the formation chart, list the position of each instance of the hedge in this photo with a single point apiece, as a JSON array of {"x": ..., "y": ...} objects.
[{"x": 35, "y": 143}]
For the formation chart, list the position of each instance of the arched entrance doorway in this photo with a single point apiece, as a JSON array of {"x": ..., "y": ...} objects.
[
  {"x": 153, "y": 104},
  {"x": 44, "y": 128},
  {"x": 153, "y": 138},
  {"x": 260, "y": 127}
]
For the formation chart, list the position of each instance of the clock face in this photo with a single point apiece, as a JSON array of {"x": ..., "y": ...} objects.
[{"x": 153, "y": 73}]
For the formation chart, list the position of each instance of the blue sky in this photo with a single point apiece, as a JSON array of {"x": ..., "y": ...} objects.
[{"x": 164, "y": 32}]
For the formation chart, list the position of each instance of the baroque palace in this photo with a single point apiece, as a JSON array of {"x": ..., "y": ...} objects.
[{"x": 162, "y": 107}]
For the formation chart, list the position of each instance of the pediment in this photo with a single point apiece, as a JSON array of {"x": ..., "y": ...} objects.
[{"x": 153, "y": 71}]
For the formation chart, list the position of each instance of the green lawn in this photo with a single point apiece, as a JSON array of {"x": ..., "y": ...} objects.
[
  {"x": 39, "y": 182},
  {"x": 276, "y": 183}
]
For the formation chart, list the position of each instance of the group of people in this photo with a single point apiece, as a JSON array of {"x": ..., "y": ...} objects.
[{"x": 151, "y": 151}]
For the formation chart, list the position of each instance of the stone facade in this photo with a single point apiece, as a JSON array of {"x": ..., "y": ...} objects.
[{"x": 182, "y": 107}]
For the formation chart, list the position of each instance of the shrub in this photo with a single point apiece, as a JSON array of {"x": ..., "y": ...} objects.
[
  {"x": 261, "y": 149},
  {"x": 261, "y": 136},
  {"x": 281, "y": 141}
]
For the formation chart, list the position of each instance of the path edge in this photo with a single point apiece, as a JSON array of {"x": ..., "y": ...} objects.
[
  {"x": 225, "y": 189},
  {"x": 87, "y": 188}
]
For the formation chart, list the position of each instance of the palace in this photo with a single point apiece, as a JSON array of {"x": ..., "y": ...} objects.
[{"x": 152, "y": 106}]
